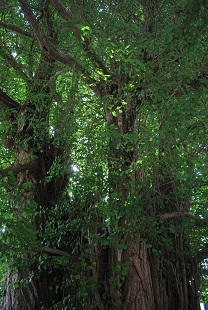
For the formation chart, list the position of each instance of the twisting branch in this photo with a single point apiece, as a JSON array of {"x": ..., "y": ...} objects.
[
  {"x": 64, "y": 13},
  {"x": 16, "y": 29},
  {"x": 45, "y": 46},
  {"x": 51, "y": 51}
]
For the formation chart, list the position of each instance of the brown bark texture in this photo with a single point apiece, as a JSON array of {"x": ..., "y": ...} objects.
[{"x": 30, "y": 296}]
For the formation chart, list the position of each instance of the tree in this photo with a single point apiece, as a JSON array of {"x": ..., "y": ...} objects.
[{"x": 103, "y": 115}]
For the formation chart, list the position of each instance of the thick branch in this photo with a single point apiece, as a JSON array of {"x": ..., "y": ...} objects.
[
  {"x": 168, "y": 216},
  {"x": 15, "y": 169},
  {"x": 175, "y": 215},
  {"x": 8, "y": 101},
  {"x": 51, "y": 51},
  {"x": 45, "y": 46},
  {"x": 16, "y": 29},
  {"x": 64, "y": 13},
  {"x": 53, "y": 251}
]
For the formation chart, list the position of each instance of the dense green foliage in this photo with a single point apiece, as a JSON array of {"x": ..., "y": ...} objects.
[{"x": 112, "y": 96}]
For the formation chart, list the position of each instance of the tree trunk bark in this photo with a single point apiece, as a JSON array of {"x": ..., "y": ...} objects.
[
  {"x": 21, "y": 293},
  {"x": 19, "y": 297},
  {"x": 28, "y": 296},
  {"x": 148, "y": 283},
  {"x": 138, "y": 290}
]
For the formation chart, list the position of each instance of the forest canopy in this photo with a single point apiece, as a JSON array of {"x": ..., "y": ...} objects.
[{"x": 103, "y": 154}]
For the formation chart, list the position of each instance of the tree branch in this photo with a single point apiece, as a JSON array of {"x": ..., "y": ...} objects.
[
  {"x": 168, "y": 216},
  {"x": 175, "y": 215},
  {"x": 54, "y": 251},
  {"x": 15, "y": 169},
  {"x": 8, "y": 101},
  {"x": 45, "y": 46},
  {"x": 51, "y": 51},
  {"x": 64, "y": 13},
  {"x": 16, "y": 29}
]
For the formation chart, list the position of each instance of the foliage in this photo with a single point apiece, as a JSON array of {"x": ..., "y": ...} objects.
[{"x": 107, "y": 100}]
